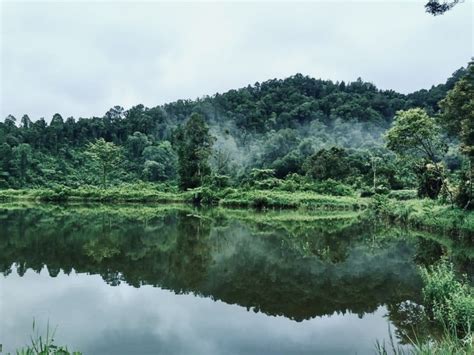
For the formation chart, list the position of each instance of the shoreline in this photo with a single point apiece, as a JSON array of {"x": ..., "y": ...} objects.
[{"x": 418, "y": 214}]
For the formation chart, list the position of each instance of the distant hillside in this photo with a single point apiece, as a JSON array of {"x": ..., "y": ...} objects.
[{"x": 274, "y": 124}]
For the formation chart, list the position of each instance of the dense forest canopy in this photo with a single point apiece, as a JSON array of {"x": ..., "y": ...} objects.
[{"x": 316, "y": 128}]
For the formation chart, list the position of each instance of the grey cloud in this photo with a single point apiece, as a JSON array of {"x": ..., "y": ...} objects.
[{"x": 81, "y": 58}]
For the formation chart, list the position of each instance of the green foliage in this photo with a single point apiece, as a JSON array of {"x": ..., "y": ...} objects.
[
  {"x": 123, "y": 193},
  {"x": 326, "y": 187},
  {"x": 449, "y": 301},
  {"x": 328, "y": 164},
  {"x": 262, "y": 174},
  {"x": 22, "y": 161},
  {"x": 292, "y": 200},
  {"x": 175, "y": 248},
  {"x": 136, "y": 144},
  {"x": 465, "y": 192},
  {"x": 424, "y": 214},
  {"x": 415, "y": 133},
  {"x": 449, "y": 344},
  {"x": 457, "y": 116},
  {"x": 194, "y": 145},
  {"x": 403, "y": 195},
  {"x": 457, "y": 111},
  {"x": 298, "y": 125},
  {"x": 430, "y": 182},
  {"x": 160, "y": 162},
  {"x": 44, "y": 345},
  {"x": 218, "y": 182},
  {"x": 106, "y": 154}
]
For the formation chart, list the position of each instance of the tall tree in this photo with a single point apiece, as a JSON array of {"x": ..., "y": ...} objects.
[
  {"x": 414, "y": 133},
  {"x": 22, "y": 160},
  {"x": 106, "y": 154},
  {"x": 194, "y": 147},
  {"x": 457, "y": 116},
  {"x": 328, "y": 164},
  {"x": 25, "y": 122},
  {"x": 457, "y": 112},
  {"x": 160, "y": 162}
]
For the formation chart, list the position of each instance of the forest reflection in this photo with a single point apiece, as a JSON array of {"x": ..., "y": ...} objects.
[{"x": 295, "y": 265}]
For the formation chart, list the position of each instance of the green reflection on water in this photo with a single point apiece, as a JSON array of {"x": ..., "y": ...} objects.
[{"x": 281, "y": 263}]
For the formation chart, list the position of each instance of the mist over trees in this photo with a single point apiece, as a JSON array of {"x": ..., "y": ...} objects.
[{"x": 313, "y": 128}]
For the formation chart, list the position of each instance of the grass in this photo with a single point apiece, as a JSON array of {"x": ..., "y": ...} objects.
[
  {"x": 421, "y": 214},
  {"x": 44, "y": 345},
  {"x": 128, "y": 193},
  {"x": 449, "y": 304},
  {"x": 424, "y": 214},
  {"x": 147, "y": 193},
  {"x": 448, "y": 345},
  {"x": 261, "y": 199},
  {"x": 450, "y": 301}
]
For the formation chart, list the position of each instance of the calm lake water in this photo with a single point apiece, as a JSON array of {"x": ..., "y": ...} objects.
[{"x": 173, "y": 280}]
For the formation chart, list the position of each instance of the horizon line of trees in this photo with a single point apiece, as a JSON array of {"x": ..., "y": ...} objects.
[{"x": 298, "y": 125}]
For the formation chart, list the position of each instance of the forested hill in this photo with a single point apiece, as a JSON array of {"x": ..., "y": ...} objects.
[{"x": 275, "y": 124}]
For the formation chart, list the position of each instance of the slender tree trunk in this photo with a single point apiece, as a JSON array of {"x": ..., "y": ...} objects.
[
  {"x": 469, "y": 199},
  {"x": 444, "y": 182},
  {"x": 103, "y": 177},
  {"x": 374, "y": 173}
]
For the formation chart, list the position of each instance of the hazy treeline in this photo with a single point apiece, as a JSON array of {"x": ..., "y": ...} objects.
[{"x": 299, "y": 125}]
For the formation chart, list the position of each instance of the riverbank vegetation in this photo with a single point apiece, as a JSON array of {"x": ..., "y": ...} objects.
[
  {"x": 297, "y": 143},
  {"x": 295, "y": 139},
  {"x": 44, "y": 344},
  {"x": 448, "y": 308},
  {"x": 304, "y": 144},
  {"x": 316, "y": 256}
]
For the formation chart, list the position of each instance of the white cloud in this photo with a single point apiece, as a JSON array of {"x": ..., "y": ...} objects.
[{"x": 80, "y": 58}]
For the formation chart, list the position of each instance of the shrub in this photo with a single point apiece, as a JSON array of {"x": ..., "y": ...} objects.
[
  {"x": 430, "y": 181},
  {"x": 367, "y": 193},
  {"x": 403, "y": 195},
  {"x": 464, "y": 196},
  {"x": 449, "y": 301},
  {"x": 260, "y": 202},
  {"x": 203, "y": 195},
  {"x": 331, "y": 187},
  {"x": 381, "y": 206},
  {"x": 262, "y": 174}
]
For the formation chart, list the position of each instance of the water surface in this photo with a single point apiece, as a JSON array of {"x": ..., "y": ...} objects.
[{"x": 174, "y": 280}]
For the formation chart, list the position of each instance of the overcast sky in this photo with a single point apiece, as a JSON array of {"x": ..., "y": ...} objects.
[{"x": 81, "y": 58}]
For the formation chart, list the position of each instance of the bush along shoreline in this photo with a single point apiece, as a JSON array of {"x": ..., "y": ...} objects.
[
  {"x": 394, "y": 208},
  {"x": 448, "y": 311},
  {"x": 423, "y": 215},
  {"x": 327, "y": 195}
]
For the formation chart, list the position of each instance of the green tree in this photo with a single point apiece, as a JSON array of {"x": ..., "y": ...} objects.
[
  {"x": 22, "y": 160},
  {"x": 6, "y": 161},
  {"x": 25, "y": 122},
  {"x": 135, "y": 145},
  {"x": 457, "y": 112},
  {"x": 328, "y": 164},
  {"x": 106, "y": 154},
  {"x": 414, "y": 133},
  {"x": 194, "y": 147},
  {"x": 457, "y": 116},
  {"x": 160, "y": 162},
  {"x": 55, "y": 132}
]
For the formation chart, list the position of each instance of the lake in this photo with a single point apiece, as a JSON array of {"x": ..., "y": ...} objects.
[{"x": 176, "y": 280}]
